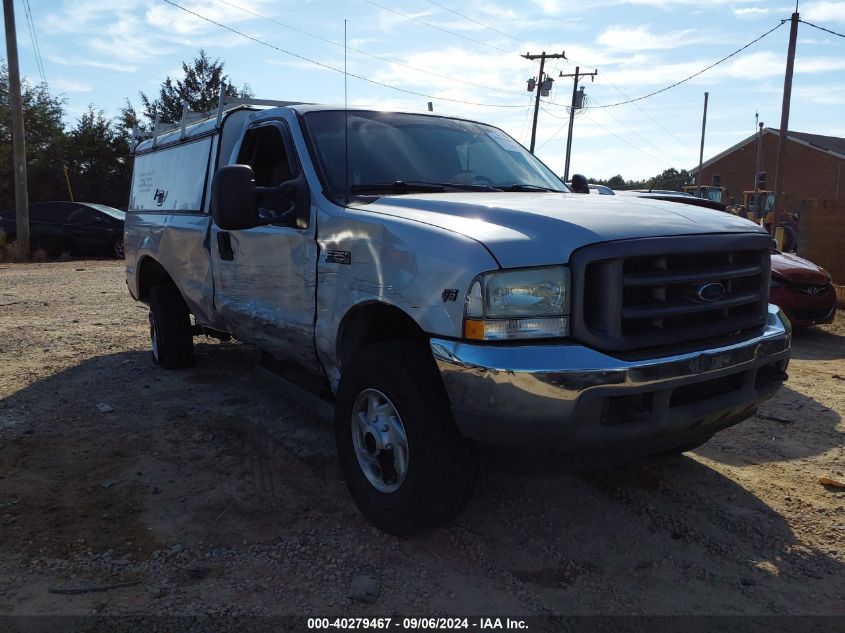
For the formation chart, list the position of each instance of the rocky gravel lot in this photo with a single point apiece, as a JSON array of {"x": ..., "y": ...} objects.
[{"x": 125, "y": 489}]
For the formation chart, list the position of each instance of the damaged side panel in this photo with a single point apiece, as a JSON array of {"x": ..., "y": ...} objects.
[
  {"x": 264, "y": 288},
  {"x": 422, "y": 270},
  {"x": 166, "y": 222},
  {"x": 176, "y": 242}
]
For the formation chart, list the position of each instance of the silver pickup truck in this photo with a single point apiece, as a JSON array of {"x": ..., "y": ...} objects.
[{"x": 449, "y": 289}]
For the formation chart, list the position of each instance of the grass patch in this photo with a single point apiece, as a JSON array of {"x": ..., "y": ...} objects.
[{"x": 12, "y": 252}]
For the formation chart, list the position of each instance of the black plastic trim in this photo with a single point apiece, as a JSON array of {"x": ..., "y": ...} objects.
[{"x": 610, "y": 337}]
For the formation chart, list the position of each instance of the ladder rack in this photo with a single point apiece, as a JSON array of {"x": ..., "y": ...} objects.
[{"x": 225, "y": 103}]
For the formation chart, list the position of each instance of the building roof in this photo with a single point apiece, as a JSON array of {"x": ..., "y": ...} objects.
[{"x": 833, "y": 145}]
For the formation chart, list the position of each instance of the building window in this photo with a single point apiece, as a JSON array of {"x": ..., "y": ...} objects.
[{"x": 716, "y": 180}]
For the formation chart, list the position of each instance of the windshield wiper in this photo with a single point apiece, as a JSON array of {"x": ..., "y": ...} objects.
[
  {"x": 523, "y": 187},
  {"x": 469, "y": 187},
  {"x": 418, "y": 186},
  {"x": 399, "y": 186}
]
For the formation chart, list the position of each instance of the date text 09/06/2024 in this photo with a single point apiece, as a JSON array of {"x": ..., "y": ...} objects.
[{"x": 418, "y": 624}]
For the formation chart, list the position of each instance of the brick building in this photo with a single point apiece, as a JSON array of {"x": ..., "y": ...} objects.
[{"x": 815, "y": 167}]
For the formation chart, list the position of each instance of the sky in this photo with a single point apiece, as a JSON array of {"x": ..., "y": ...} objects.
[{"x": 466, "y": 58}]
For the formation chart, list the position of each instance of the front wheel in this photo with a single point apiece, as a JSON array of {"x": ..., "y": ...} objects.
[{"x": 406, "y": 465}]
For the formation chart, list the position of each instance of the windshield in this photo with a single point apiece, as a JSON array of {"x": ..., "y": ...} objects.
[
  {"x": 714, "y": 194},
  {"x": 407, "y": 153},
  {"x": 767, "y": 202}
]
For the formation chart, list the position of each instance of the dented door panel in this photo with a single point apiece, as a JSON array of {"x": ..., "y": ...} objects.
[
  {"x": 401, "y": 263},
  {"x": 265, "y": 293}
]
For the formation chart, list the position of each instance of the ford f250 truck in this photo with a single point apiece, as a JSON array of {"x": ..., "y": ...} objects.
[{"x": 449, "y": 289}]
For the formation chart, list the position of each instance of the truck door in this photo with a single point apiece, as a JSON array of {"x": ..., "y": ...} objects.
[{"x": 265, "y": 277}]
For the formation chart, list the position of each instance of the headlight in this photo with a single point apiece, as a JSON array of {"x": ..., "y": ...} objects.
[{"x": 515, "y": 304}]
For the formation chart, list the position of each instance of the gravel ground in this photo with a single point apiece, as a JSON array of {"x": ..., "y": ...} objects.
[{"x": 201, "y": 491}]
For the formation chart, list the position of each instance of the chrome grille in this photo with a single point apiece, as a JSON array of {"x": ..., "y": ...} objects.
[{"x": 637, "y": 294}]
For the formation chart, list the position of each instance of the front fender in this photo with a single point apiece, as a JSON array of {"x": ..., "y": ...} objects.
[{"x": 422, "y": 270}]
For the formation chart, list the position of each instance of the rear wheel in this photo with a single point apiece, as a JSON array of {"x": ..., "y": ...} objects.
[
  {"x": 406, "y": 465},
  {"x": 117, "y": 250},
  {"x": 171, "y": 338}
]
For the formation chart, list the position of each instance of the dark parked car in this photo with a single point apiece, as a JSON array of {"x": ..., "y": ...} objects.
[
  {"x": 76, "y": 227},
  {"x": 802, "y": 289}
]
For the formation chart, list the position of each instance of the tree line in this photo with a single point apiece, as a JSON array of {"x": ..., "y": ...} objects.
[
  {"x": 671, "y": 179},
  {"x": 90, "y": 161}
]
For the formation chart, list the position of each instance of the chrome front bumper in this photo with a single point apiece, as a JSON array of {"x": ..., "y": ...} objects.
[{"x": 571, "y": 397}]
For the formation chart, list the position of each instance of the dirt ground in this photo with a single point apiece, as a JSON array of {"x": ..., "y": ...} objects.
[{"x": 202, "y": 491}]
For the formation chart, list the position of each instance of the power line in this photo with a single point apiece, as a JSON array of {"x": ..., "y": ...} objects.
[
  {"x": 821, "y": 28},
  {"x": 623, "y": 139},
  {"x": 693, "y": 76},
  {"x": 332, "y": 68},
  {"x": 527, "y": 116},
  {"x": 637, "y": 106},
  {"x": 466, "y": 17},
  {"x": 434, "y": 26},
  {"x": 559, "y": 130},
  {"x": 552, "y": 114},
  {"x": 30, "y": 22},
  {"x": 640, "y": 136},
  {"x": 365, "y": 53},
  {"x": 578, "y": 112}
]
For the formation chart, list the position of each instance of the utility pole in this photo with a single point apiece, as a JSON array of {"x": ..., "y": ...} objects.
[
  {"x": 701, "y": 151},
  {"x": 578, "y": 75},
  {"x": 539, "y": 86},
  {"x": 759, "y": 167},
  {"x": 784, "y": 121},
  {"x": 756, "y": 147},
  {"x": 18, "y": 145}
]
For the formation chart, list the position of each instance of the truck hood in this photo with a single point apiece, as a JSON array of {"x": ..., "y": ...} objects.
[{"x": 533, "y": 229}]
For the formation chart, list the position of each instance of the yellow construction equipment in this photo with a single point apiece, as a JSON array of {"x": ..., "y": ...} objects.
[
  {"x": 716, "y": 194},
  {"x": 757, "y": 206}
]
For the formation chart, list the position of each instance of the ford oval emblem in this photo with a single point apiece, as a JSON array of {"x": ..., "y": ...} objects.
[{"x": 710, "y": 292}]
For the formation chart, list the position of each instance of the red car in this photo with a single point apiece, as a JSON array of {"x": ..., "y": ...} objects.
[{"x": 802, "y": 290}]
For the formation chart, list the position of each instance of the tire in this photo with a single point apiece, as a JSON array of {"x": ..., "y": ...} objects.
[
  {"x": 440, "y": 465},
  {"x": 117, "y": 250},
  {"x": 171, "y": 338}
]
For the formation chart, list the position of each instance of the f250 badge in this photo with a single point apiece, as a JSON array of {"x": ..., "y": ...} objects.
[{"x": 338, "y": 257}]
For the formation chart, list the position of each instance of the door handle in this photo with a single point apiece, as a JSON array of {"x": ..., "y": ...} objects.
[{"x": 224, "y": 246}]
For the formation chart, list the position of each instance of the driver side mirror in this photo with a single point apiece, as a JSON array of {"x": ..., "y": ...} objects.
[{"x": 234, "y": 198}]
